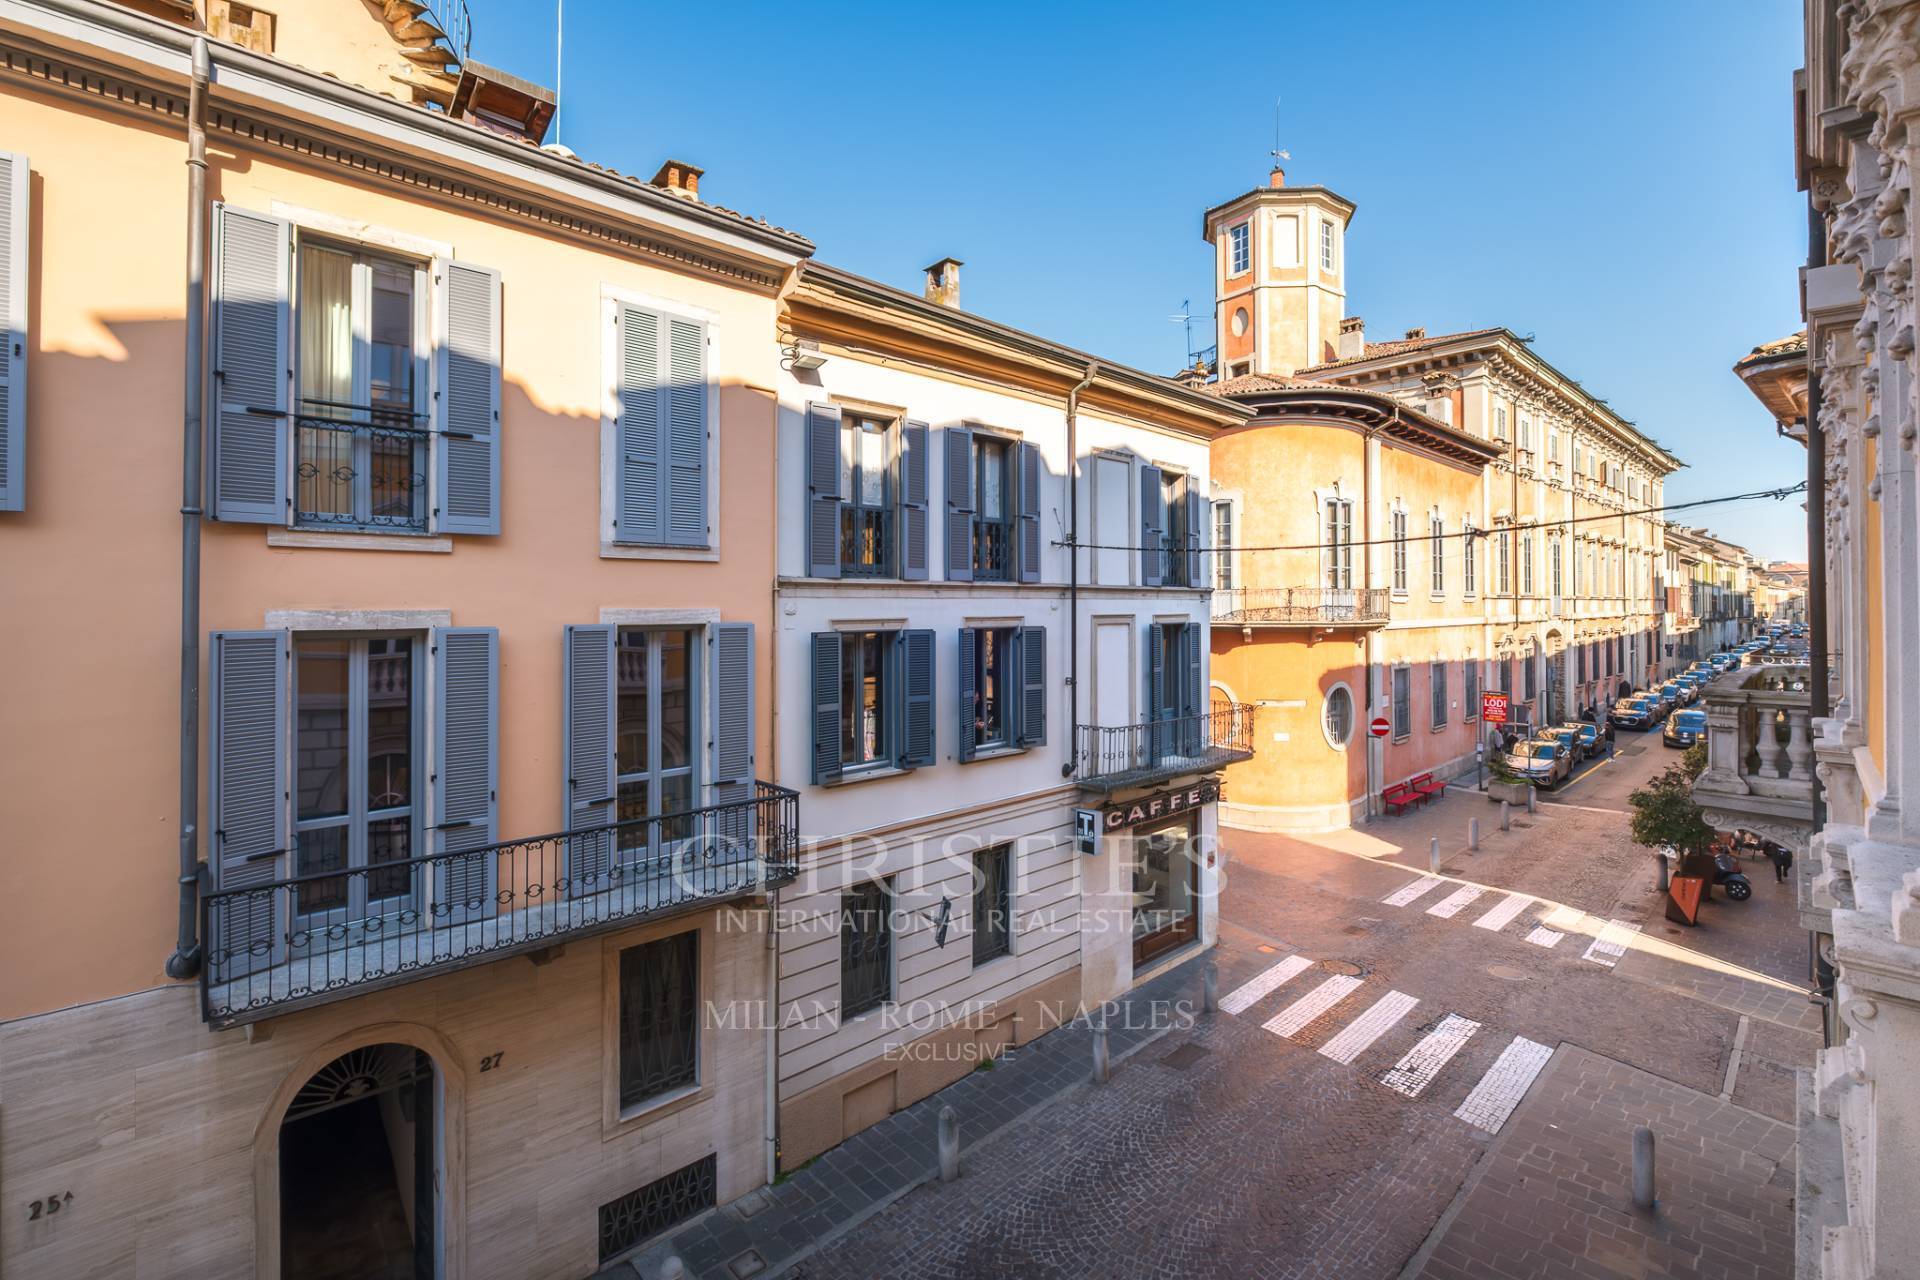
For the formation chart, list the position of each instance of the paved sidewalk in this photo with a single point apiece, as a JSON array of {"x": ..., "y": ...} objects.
[
  {"x": 1551, "y": 1198},
  {"x": 770, "y": 1230}
]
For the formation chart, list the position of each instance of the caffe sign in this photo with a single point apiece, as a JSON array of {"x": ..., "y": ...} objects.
[{"x": 1162, "y": 804}]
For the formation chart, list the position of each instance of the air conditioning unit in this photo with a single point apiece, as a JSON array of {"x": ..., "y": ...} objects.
[{"x": 804, "y": 353}]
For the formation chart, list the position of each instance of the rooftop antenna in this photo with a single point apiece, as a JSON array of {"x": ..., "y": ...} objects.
[
  {"x": 1278, "y": 153},
  {"x": 559, "y": 63},
  {"x": 1185, "y": 317}
]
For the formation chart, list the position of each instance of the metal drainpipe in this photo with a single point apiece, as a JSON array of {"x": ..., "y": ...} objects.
[
  {"x": 1073, "y": 566},
  {"x": 184, "y": 963},
  {"x": 1818, "y": 652}
]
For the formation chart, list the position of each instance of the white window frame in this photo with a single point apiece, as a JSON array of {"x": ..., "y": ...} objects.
[
  {"x": 1353, "y": 715},
  {"x": 1437, "y": 550},
  {"x": 1328, "y": 253},
  {"x": 1398, "y": 527},
  {"x": 1239, "y": 249}
]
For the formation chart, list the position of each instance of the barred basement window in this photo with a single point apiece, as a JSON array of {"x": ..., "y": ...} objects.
[
  {"x": 649, "y": 1210},
  {"x": 658, "y": 1001},
  {"x": 866, "y": 949},
  {"x": 992, "y": 907}
]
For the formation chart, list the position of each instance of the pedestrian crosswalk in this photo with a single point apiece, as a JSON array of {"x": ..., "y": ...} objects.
[
  {"x": 1502, "y": 916},
  {"x": 1369, "y": 1026},
  {"x": 1401, "y": 897},
  {"x": 1450, "y": 906},
  {"x": 1416, "y": 1070},
  {"x": 1505, "y": 1083},
  {"x": 1611, "y": 939},
  {"x": 1244, "y": 997},
  {"x": 1293, "y": 1019},
  {"x": 1611, "y": 942}
]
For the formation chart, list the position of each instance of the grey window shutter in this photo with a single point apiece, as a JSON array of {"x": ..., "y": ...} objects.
[
  {"x": 967, "y": 707},
  {"x": 252, "y": 367},
  {"x": 1158, "y": 709},
  {"x": 957, "y": 465},
  {"x": 1029, "y": 511},
  {"x": 914, "y": 445},
  {"x": 467, "y": 388},
  {"x": 916, "y": 743},
  {"x": 732, "y": 675},
  {"x": 466, "y": 769},
  {"x": 686, "y": 433},
  {"x": 1030, "y": 668},
  {"x": 16, "y": 185},
  {"x": 826, "y": 706},
  {"x": 1196, "y": 537},
  {"x": 1195, "y": 636},
  {"x": 249, "y": 790},
  {"x": 823, "y": 491},
  {"x": 1153, "y": 528},
  {"x": 587, "y": 736},
  {"x": 638, "y": 482}
]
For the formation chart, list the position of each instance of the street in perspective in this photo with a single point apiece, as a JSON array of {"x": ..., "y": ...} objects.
[{"x": 1339, "y": 712}]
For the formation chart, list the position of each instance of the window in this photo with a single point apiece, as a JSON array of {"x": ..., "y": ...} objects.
[
  {"x": 1529, "y": 670},
  {"x": 993, "y": 509},
  {"x": 1400, "y": 552},
  {"x": 658, "y": 1026},
  {"x": 992, "y": 904},
  {"x": 1339, "y": 543},
  {"x": 1470, "y": 690},
  {"x": 1437, "y": 680},
  {"x": 866, "y": 689},
  {"x": 866, "y": 948},
  {"x": 1499, "y": 422},
  {"x": 1003, "y": 693},
  {"x": 1437, "y": 548},
  {"x": 1503, "y": 552},
  {"x": 872, "y": 702},
  {"x": 1222, "y": 546},
  {"x": 1553, "y": 446},
  {"x": 1402, "y": 702},
  {"x": 1526, "y": 563},
  {"x": 1506, "y": 677},
  {"x": 1173, "y": 501},
  {"x": 653, "y": 747},
  {"x": 867, "y": 497},
  {"x": 660, "y": 446},
  {"x": 1526, "y": 435},
  {"x": 360, "y": 438},
  {"x": 1553, "y": 563},
  {"x": 993, "y": 688},
  {"x": 355, "y": 741},
  {"x": 1326, "y": 246},
  {"x": 1469, "y": 555},
  {"x": 1239, "y": 250},
  {"x": 1336, "y": 717}
]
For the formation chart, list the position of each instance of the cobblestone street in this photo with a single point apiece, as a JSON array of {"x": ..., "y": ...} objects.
[{"x": 1414, "y": 1078}]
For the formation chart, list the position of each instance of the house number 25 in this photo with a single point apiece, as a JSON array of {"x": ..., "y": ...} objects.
[{"x": 48, "y": 1207}]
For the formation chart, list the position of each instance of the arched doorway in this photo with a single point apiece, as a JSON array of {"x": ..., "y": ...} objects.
[{"x": 360, "y": 1164}]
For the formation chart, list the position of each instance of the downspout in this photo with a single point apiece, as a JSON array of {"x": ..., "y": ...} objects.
[
  {"x": 184, "y": 963},
  {"x": 1818, "y": 654},
  {"x": 1073, "y": 567},
  {"x": 1376, "y": 750},
  {"x": 771, "y": 1004}
]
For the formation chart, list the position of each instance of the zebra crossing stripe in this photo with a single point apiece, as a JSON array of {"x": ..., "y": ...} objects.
[
  {"x": 1502, "y": 916},
  {"x": 1505, "y": 1083},
  {"x": 1248, "y": 994},
  {"x": 1293, "y": 1019},
  {"x": 1407, "y": 893},
  {"x": 1611, "y": 942},
  {"x": 1545, "y": 937},
  {"x": 1414, "y": 1072},
  {"x": 1449, "y": 906},
  {"x": 1369, "y": 1026}
]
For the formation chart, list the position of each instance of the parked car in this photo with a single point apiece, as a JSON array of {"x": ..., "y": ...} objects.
[
  {"x": 1543, "y": 761},
  {"x": 1582, "y": 737},
  {"x": 1670, "y": 695},
  {"x": 1685, "y": 729},
  {"x": 1636, "y": 712}
]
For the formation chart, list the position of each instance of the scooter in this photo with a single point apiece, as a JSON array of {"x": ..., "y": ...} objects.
[{"x": 1728, "y": 875}]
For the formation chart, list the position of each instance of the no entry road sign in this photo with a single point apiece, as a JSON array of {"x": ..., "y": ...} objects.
[{"x": 1379, "y": 728}]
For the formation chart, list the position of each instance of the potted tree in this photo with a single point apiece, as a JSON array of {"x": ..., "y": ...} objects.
[
  {"x": 1502, "y": 782},
  {"x": 1665, "y": 816}
]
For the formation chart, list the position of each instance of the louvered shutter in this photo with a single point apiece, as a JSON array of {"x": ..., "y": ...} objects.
[
  {"x": 639, "y": 484},
  {"x": 916, "y": 740},
  {"x": 914, "y": 446},
  {"x": 732, "y": 675},
  {"x": 587, "y": 740},
  {"x": 252, "y": 369},
  {"x": 1029, "y": 511},
  {"x": 1158, "y": 710},
  {"x": 823, "y": 491},
  {"x": 1030, "y": 670},
  {"x": 1195, "y": 675},
  {"x": 467, "y": 389},
  {"x": 967, "y": 707},
  {"x": 466, "y": 768},
  {"x": 826, "y": 706},
  {"x": 686, "y": 433},
  {"x": 249, "y": 790},
  {"x": 16, "y": 186},
  {"x": 1196, "y": 536},
  {"x": 1153, "y": 528},
  {"x": 957, "y": 466}
]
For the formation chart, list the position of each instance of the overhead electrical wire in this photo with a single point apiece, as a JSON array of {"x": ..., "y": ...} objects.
[{"x": 1778, "y": 494}]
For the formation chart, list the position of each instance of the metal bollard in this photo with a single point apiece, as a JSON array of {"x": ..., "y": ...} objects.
[
  {"x": 1210, "y": 986},
  {"x": 1433, "y": 853},
  {"x": 671, "y": 1268},
  {"x": 1665, "y": 870},
  {"x": 1643, "y": 1169},
  {"x": 949, "y": 1145},
  {"x": 1473, "y": 834},
  {"x": 1100, "y": 1061},
  {"x": 1532, "y": 800},
  {"x": 1506, "y": 815}
]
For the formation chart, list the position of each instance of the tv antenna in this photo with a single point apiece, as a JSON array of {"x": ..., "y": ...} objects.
[
  {"x": 1278, "y": 153},
  {"x": 1185, "y": 317}
]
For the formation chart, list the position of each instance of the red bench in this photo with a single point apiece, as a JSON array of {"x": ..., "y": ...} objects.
[
  {"x": 1400, "y": 796},
  {"x": 1427, "y": 787}
]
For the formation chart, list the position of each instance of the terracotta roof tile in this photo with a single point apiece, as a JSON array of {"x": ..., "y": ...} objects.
[
  {"x": 1400, "y": 346},
  {"x": 1253, "y": 383},
  {"x": 1792, "y": 344}
]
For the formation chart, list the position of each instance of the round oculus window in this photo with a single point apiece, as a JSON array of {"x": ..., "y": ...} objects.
[
  {"x": 1337, "y": 716},
  {"x": 1239, "y": 322}
]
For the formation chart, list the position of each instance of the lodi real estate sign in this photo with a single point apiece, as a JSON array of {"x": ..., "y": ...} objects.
[{"x": 1493, "y": 708}]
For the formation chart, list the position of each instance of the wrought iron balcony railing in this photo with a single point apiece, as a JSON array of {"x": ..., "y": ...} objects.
[
  {"x": 1302, "y": 607},
  {"x": 992, "y": 550},
  {"x": 288, "y": 943},
  {"x": 1108, "y": 757},
  {"x": 360, "y": 468},
  {"x": 866, "y": 542}
]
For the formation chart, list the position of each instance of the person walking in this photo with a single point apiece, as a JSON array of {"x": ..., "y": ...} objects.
[
  {"x": 1782, "y": 859},
  {"x": 1607, "y": 733}
]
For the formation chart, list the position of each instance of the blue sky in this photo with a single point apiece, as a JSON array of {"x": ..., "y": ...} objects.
[{"x": 1613, "y": 179}]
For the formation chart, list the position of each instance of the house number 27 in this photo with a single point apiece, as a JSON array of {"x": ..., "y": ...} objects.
[
  {"x": 491, "y": 1061},
  {"x": 48, "y": 1207}
]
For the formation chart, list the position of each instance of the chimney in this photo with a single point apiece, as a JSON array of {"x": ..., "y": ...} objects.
[
  {"x": 1414, "y": 335},
  {"x": 1193, "y": 376},
  {"x": 1353, "y": 338},
  {"x": 1277, "y": 178},
  {"x": 943, "y": 283},
  {"x": 680, "y": 178}
]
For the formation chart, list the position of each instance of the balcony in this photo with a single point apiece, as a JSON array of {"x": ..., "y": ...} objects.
[
  {"x": 1301, "y": 607},
  {"x": 866, "y": 542},
  {"x": 288, "y": 944},
  {"x": 1109, "y": 757},
  {"x": 1759, "y": 774},
  {"x": 360, "y": 468}
]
